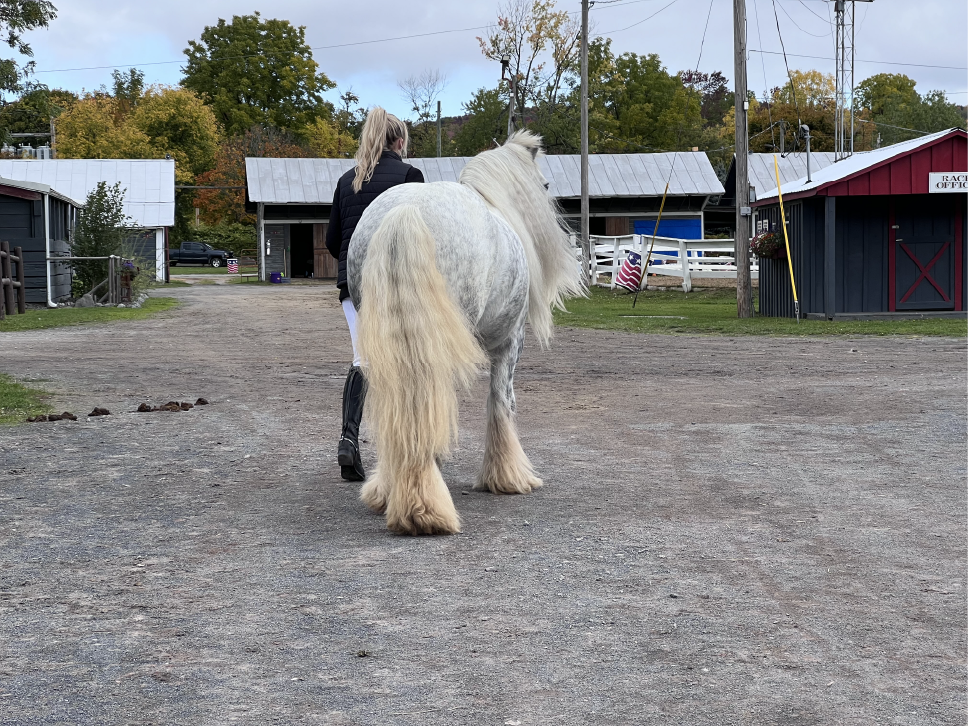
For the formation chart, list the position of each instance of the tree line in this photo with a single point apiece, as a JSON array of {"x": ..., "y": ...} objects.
[{"x": 250, "y": 87}]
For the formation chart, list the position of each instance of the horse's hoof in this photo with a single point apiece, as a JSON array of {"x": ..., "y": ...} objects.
[
  {"x": 426, "y": 523},
  {"x": 528, "y": 485}
]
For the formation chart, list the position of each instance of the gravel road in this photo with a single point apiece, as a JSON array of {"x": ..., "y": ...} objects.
[{"x": 733, "y": 531}]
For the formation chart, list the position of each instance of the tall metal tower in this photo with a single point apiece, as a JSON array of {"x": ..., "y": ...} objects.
[{"x": 844, "y": 114}]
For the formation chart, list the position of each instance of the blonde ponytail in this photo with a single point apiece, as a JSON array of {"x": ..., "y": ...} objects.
[{"x": 380, "y": 132}]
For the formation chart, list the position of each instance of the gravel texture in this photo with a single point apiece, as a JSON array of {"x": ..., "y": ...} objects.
[{"x": 732, "y": 531}]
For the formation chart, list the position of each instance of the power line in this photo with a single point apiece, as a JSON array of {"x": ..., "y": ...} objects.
[
  {"x": 890, "y": 126},
  {"x": 793, "y": 86},
  {"x": 826, "y": 20},
  {"x": 807, "y": 32},
  {"x": 253, "y": 55},
  {"x": 642, "y": 20},
  {"x": 860, "y": 60},
  {"x": 769, "y": 110}
]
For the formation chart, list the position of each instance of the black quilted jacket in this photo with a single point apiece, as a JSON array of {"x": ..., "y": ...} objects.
[{"x": 348, "y": 206}]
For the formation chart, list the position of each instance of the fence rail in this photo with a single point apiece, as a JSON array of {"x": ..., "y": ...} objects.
[
  {"x": 118, "y": 280},
  {"x": 12, "y": 288},
  {"x": 685, "y": 258}
]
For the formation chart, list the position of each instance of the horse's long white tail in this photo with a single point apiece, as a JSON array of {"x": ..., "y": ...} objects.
[{"x": 417, "y": 349}]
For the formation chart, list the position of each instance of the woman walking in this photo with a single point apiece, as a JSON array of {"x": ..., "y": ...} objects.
[{"x": 379, "y": 166}]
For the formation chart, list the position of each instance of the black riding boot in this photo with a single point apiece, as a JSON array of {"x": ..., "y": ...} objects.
[{"x": 348, "y": 455}]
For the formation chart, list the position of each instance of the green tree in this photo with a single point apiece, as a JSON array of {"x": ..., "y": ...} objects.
[
  {"x": 896, "y": 112},
  {"x": 327, "y": 140},
  {"x": 713, "y": 88},
  {"x": 16, "y": 18},
  {"x": 128, "y": 89},
  {"x": 177, "y": 123},
  {"x": 255, "y": 71},
  {"x": 636, "y": 105},
  {"x": 33, "y": 111},
  {"x": 100, "y": 231},
  {"x": 486, "y": 121},
  {"x": 158, "y": 122},
  {"x": 93, "y": 129},
  {"x": 807, "y": 98},
  {"x": 883, "y": 90}
]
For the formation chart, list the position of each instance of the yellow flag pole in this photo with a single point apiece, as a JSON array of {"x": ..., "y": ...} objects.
[
  {"x": 786, "y": 238},
  {"x": 645, "y": 267}
]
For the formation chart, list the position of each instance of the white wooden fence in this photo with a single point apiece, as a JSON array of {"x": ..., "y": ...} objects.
[{"x": 668, "y": 258}]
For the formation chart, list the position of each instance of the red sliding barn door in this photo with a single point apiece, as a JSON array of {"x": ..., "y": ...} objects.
[{"x": 926, "y": 254}]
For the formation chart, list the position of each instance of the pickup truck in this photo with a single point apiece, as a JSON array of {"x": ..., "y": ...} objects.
[{"x": 197, "y": 254}]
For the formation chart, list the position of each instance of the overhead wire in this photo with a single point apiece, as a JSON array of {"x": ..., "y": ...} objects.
[
  {"x": 861, "y": 60},
  {"x": 768, "y": 101},
  {"x": 609, "y": 32},
  {"x": 796, "y": 25},
  {"x": 793, "y": 88},
  {"x": 826, "y": 20}
]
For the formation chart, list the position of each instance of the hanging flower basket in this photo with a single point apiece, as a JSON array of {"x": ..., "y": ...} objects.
[{"x": 768, "y": 246}]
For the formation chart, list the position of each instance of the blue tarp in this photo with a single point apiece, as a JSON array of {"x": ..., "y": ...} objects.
[{"x": 675, "y": 228}]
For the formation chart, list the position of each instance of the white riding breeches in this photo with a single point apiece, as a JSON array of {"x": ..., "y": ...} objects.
[{"x": 349, "y": 310}]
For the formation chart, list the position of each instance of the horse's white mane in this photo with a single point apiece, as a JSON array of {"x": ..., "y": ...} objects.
[{"x": 509, "y": 180}]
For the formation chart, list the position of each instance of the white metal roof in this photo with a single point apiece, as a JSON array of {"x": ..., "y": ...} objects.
[
  {"x": 854, "y": 164},
  {"x": 40, "y": 188},
  {"x": 149, "y": 184},
  {"x": 792, "y": 167},
  {"x": 313, "y": 181}
]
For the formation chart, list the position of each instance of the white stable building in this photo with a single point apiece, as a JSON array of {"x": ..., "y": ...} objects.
[
  {"x": 292, "y": 199},
  {"x": 149, "y": 194}
]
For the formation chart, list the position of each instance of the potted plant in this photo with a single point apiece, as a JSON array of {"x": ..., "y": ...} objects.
[{"x": 769, "y": 246}]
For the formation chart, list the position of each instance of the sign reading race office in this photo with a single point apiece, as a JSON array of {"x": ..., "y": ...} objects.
[{"x": 947, "y": 182}]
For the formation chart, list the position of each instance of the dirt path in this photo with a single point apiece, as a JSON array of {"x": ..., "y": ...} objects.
[{"x": 733, "y": 531}]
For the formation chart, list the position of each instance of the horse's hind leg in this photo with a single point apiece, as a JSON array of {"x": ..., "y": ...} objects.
[
  {"x": 376, "y": 491},
  {"x": 506, "y": 468}
]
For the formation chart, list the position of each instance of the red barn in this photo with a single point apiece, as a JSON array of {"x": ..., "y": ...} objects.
[{"x": 880, "y": 233}]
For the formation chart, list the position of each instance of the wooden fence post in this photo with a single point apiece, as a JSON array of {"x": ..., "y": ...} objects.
[
  {"x": 22, "y": 286},
  {"x": 7, "y": 274}
]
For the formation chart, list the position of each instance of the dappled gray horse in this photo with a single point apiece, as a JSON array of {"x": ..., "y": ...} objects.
[{"x": 444, "y": 276}]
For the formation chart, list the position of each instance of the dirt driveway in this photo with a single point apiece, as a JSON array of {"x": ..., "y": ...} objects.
[{"x": 732, "y": 531}]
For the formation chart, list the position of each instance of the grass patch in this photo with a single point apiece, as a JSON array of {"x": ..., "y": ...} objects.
[
  {"x": 713, "y": 312},
  {"x": 42, "y": 319},
  {"x": 17, "y": 401},
  {"x": 176, "y": 283}
]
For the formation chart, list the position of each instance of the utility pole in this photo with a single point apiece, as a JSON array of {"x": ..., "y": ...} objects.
[
  {"x": 744, "y": 289},
  {"x": 586, "y": 250},
  {"x": 438, "y": 129},
  {"x": 782, "y": 123}
]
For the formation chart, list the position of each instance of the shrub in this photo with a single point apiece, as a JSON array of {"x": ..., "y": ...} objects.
[{"x": 100, "y": 231}]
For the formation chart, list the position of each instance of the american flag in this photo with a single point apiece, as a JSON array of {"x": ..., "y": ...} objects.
[
  {"x": 233, "y": 265},
  {"x": 630, "y": 273}
]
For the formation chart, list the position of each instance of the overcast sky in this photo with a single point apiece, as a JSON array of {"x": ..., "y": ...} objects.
[{"x": 152, "y": 36}]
